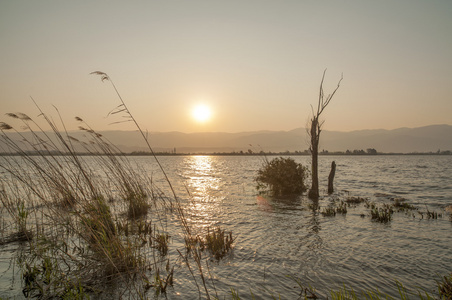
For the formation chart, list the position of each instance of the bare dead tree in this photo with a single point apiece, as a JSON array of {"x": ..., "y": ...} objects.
[{"x": 314, "y": 133}]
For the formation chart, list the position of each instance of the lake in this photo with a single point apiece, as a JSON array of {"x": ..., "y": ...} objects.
[{"x": 280, "y": 241}]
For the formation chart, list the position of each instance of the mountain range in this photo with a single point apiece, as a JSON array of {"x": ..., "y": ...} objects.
[{"x": 403, "y": 140}]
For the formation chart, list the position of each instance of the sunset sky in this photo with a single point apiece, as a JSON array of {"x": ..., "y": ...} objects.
[{"x": 254, "y": 65}]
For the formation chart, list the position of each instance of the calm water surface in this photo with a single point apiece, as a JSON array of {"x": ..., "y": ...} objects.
[{"x": 282, "y": 238}]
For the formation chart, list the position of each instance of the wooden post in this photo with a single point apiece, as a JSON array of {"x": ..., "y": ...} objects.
[{"x": 331, "y": 178}]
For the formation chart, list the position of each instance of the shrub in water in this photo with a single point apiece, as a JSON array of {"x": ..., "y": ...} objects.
[{"x": 282, "y": 176}]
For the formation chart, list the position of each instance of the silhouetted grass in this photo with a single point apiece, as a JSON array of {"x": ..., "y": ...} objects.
[{"x": 79, "y": 244}]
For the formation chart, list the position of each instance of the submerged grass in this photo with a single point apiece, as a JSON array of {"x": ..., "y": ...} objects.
[
  {"x": 160, "y": 242},
  {"x": 401, "y": 205},
  {"x": 328, "y": 211},
  {"x": 218, "y": 242},
  {"x": 381, "y": 214},
  {"x": 19, "y": 213},
  {"x": 335, "y": 208}
]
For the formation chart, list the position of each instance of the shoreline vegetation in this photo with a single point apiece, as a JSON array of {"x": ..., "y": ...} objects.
[{"x": 99, "y": 228}]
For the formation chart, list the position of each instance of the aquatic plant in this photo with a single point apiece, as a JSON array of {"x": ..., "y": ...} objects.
[
  {"x": 45, "y": 278},
  {"x": 401, "y": 205},
  {"x": 355, "y": 200},
  {"x": 160, "y": 283},
  {"x": 445, "y": 287},
  {"x": 282, "y": 176},
  {"x": 429, "y": 214},
  {"x": 218, "y": 242},
  {"x": 160, "y": 242},
  {"x": 342, "y": 208},
  {"x": 381, "y": 214},
  {"x": 328, "y": 211},
  {"x": 138, "y": 206},
  {"x": 334, "y": 208},
  {"x": 15, "y": 207},
  {"x": 306, "y": 291}
]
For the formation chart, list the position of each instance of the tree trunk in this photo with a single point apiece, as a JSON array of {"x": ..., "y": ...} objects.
[
  {"x": 331, "y": 178},
  {"x": 314, "y": 191}
]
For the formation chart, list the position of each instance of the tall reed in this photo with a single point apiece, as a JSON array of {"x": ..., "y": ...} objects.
[{"x": 77, "y": 245}]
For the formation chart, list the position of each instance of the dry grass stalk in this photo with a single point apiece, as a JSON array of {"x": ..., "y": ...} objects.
[{"x": 77, "y": 235}]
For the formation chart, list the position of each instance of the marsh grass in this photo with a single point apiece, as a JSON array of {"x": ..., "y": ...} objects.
[
  {"x": 161, "y": 282},
  {"x": 160, "y": 242},
  {"x": 19, "y": 213},
  {"x": 400, "y": 205},
  {"x": 335, "y": 207},
  {"x": 80, "y": 243},
  {"x": 342, "y": 208},
  {"x": 429, "y": 214},
  {"x": 381, "y": 214},
  {"x": 445, "y": 287},
  {"x": 328, "y": 211},
  {"x": 355, "y": 200},
  {"x": 218, "y": 242}
]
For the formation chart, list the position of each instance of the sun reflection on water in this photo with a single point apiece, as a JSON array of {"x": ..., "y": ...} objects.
[{"x": 205, "y": 189}]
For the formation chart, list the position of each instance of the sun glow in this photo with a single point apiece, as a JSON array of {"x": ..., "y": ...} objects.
[{"x": 201, "y": 113}]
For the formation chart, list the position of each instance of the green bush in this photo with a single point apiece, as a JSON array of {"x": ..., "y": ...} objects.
[{"x": 282, "y": 176}]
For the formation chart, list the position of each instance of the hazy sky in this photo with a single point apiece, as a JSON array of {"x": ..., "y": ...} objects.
[{"x": 256, "y": 64}]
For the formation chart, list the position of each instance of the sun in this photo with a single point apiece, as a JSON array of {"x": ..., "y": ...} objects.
[{"x": 201, "y": 113}]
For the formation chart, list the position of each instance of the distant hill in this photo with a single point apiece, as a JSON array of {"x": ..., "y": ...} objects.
[{"x": 402, "y": 140}]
